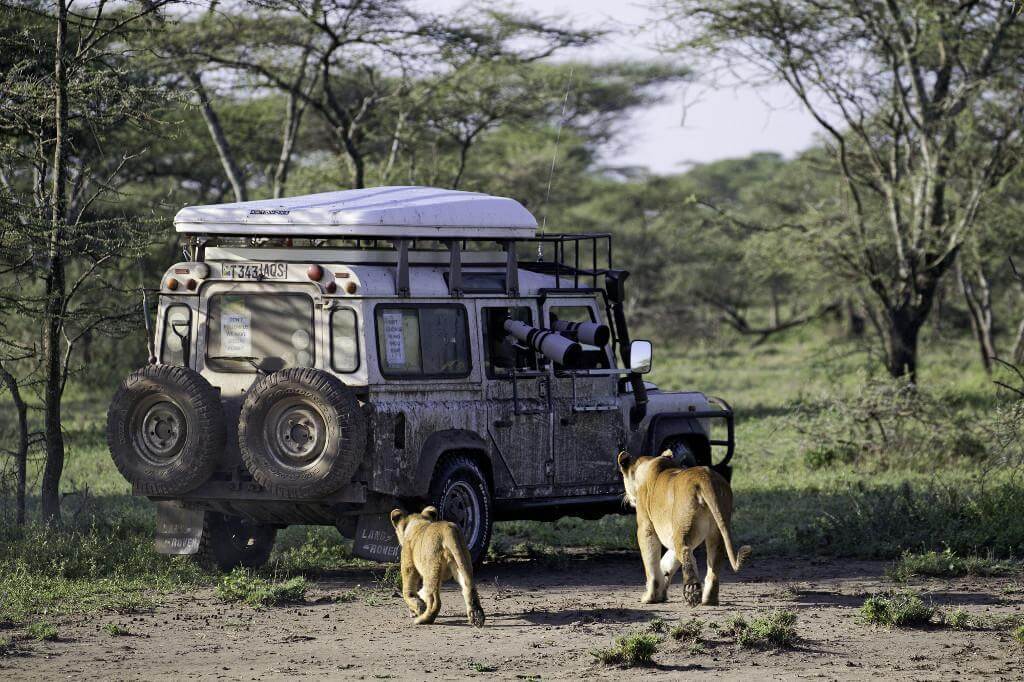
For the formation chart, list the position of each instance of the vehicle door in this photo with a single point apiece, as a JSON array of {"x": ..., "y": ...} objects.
[
  {"x": 588, "y": 426},
  {"x": 249, "y": 329},
  {"x": 519, "y": 416}
]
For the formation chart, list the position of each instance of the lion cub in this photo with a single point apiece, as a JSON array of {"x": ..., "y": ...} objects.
[
  {"x": 679, "y": 509},
  {"x": 433, "y": 551}
]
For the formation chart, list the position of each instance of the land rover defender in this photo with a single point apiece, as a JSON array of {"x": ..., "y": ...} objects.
[{"x": 322, "y": 359}]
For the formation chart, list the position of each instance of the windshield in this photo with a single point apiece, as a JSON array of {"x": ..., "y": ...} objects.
[{"x": 259, "y": 332}]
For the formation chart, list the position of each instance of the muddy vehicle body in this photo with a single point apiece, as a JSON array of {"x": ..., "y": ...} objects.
[{"x": 323, "y": 359}]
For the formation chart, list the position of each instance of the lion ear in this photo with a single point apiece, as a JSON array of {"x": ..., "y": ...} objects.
[
  {"x": 396, "y": 516},
  {"x": 624, "y": 461},
  {"x": 429, "y": 513}
]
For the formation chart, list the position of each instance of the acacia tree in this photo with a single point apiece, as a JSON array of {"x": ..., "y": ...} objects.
[
  {"x": 920, "y": 102},
  {"x": 68, "y": 93}
]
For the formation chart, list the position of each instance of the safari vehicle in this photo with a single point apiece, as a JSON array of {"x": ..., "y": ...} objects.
[{"x": 322, "y": 359}]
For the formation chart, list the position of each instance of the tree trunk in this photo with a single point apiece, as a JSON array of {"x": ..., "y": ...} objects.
[
  {"x": 289, "y": 134},
  {"x": 21, "y": 453},
  {"x": 903, "y": 332},
  {"x": 55, "y": 289},
  {"x": 220, "y": 140},
  {"x": 978, "y": 297}
]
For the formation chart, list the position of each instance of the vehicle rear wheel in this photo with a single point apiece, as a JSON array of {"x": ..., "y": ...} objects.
[
  {"x": 165, "y": 429},
  {"x": 301, "y": 432},
  {"x": 230, "y": 541},
  {"x": 461, "y": 494}
]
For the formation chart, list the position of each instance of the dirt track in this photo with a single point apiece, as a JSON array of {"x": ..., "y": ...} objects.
[{"x": 543, "y": 620}]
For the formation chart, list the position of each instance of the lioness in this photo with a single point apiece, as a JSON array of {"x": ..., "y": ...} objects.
[
  {"x": 433, "y": 551},
  {"x": 679, "y": 509}
]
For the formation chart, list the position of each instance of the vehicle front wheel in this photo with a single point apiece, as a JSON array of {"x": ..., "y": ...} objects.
[
  {"x": 461, "y": 494},
  {"x": 230, "y": 541}
]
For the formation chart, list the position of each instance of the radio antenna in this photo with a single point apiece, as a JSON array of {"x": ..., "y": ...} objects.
[{"x": 554, "y": 160}]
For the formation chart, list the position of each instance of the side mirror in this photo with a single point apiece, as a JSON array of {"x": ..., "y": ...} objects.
[{"x": 640, "y": 354}]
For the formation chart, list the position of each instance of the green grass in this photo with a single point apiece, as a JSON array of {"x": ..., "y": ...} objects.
[
  {"x": 242, "y": 585},
  {"x": 773, "y": 630},
  {"x": 690, "y": 630},
  {"x": 633, "y": 650},
  {"x": 42, "y": 631},
  {"x": 116, "y": 630},
  {"x": 949, "y": 564},
  {"x": 897, "y": 609},
  {"x": 1018, "y": 635}
]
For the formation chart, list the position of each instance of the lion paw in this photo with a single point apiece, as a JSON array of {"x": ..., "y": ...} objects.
[{"x": 691, "y": 593}]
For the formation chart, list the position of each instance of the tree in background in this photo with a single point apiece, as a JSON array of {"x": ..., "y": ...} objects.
[
  {"x": 69, "y": 93},
  {"x": 920, "y": 104}
]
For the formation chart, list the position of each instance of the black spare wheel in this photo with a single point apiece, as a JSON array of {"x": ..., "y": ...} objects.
[
  {"x": 165, "y": 429},
  {"x": 460, "y": 492},
  {"x": 230, "y": 541},
  {"x": 301, "y": 432}
]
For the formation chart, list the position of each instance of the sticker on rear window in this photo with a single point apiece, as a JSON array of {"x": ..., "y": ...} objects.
[
  {"x": 394, "y": 342},
  {"x": 236, "y": 333}
]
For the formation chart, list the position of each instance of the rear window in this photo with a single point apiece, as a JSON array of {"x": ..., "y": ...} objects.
[
  {"x": 423, "y": 341},
  {"x": 259, "y": 330}
]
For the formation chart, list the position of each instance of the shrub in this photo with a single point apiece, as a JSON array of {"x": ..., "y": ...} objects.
[
  {"x": 244, "y": 586},
  {"x": 773, "y": 630},
  {"x": 634, "y": 649},
  {"x": 947, "y": 564},
  {"x": 897, "y": 609}
]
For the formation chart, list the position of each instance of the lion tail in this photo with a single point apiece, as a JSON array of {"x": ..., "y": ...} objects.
[{"x": 707, "y": 488}]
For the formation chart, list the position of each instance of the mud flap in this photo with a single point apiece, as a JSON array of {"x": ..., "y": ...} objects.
[
  {"x": 178, "y": 529},
  {"x": 375, "y": 538}
]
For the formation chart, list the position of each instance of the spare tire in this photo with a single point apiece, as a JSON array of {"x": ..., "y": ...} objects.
[
  {"x": 301, "y": 432},
  {"x": 165, "y": 429}
]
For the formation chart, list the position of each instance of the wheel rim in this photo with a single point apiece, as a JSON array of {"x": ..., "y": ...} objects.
[
  {"x": 296, "y": 433},
  {"x": 159, "y": 430},
  {"x": 461, "y": 506}
]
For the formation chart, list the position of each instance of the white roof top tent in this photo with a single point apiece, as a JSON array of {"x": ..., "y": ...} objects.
[
  {"x": 401, "y": 216},
  {"x": 380, "y": 212}
]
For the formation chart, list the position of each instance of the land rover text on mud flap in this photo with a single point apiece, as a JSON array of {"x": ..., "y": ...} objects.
[{"x": 322, "y": 359}]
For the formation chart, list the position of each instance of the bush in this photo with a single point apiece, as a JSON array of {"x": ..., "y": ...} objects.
[
  {"x": 242, "y": 585},
  {"x": 947, "y": 564},
  {"x": 897, "y": 609},
  {"x": 773, "y": 630},
  {"x": 887, "y": 423},
  {"x": 634, "y": 649}
]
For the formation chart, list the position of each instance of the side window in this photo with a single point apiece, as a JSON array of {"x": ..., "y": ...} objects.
[
  {"x": 500, "y": 353},
  {"x": 344, "y": 341},
  {"x": 177, "y": 339},
  {"x": 593, "y": 356},
  {"x": 423, "y": 341}
]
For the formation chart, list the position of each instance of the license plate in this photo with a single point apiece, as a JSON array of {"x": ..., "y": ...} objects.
[{"x": 257, "y": 271}]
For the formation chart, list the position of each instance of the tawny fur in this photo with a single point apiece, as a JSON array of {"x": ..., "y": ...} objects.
[
  {"x": 433, "y": 551},
  {"x": 678, "y": 509}
]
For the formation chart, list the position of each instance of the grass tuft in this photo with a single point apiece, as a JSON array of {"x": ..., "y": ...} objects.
[
  {"x": 897, "y": 609},
  {"x": 632, "y": 650},
  {"x": 116, "y": 630},
  {"x": 1018, "y": 635},
  {"x": 657, "y": 625},
  {"x": 482, "y": 667},
  {"x": 42, "y": 631},
  {"x": 242, "y": 585},
  {"x": 949, "y": 564},
  {"x": 691, "y": 630},
  {"x": 773, "y": 630}
]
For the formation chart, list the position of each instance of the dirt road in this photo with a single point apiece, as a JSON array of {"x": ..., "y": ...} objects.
[{"x": 543, "y": 620}]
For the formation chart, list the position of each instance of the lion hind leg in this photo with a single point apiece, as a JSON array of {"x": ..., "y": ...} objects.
[
  {"x": 691, "y": 583},
  {"x": 669, "y": 565},
  {"x": 716, "y": 555},
  {"x": 431, "y": 593}
]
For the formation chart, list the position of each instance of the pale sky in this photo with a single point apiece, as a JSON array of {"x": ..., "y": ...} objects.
[{"x": 720, "y": 122}]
